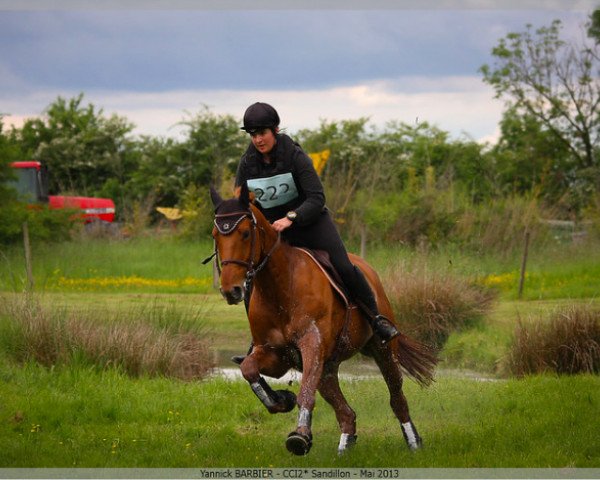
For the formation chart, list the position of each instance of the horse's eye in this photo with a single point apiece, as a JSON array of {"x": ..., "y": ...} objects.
[{"x": 245, "y": 234}]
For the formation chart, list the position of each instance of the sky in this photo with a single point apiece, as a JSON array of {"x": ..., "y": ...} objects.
[{"x": 158, "y": 62}]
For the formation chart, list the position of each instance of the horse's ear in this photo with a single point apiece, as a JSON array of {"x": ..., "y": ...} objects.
[
  {"x": 215, "y": 197},
  {"x": 244, "y": 196}
]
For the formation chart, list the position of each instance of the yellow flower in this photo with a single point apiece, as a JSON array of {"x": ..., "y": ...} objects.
[
  {"x": 502, "y": 281},
  {"x": 96, "y": 283}
]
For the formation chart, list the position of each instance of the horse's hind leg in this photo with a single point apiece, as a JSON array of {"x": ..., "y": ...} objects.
[
  {"x": 331, "y": 392},
  {"x": 270, "y": 363},
  {"x": 390, "y": 369}
]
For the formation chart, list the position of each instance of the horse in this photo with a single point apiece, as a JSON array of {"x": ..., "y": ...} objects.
[{"x": 298, "y": 320}]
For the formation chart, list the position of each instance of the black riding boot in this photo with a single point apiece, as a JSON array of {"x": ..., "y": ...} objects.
[{"x": 363, "y": 295}]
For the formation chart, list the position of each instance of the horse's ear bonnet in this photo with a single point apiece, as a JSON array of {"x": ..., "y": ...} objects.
[
  {"x": 228, "y": 223},
  {"x": 229, "y": 213}
]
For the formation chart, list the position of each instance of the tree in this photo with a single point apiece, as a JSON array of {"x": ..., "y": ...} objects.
[
  {"x": 556, "y": 83},
  {"x": 9, "y": 152},
  {"x": 529, "y": 158},
  {"x": 170, "y": 172},
  {"x": 157, "y": 173},
  {"x": 594, "y": 26},
  {"x": 424, "y": 148},
  {"x": 356, "y": 162},
  {"x": 212, "y": 149},
  {"x": 44, "y": 224},
  {"x": 81, "y": 147}
]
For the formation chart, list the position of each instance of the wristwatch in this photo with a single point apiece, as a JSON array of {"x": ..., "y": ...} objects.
[{"x": 291, "y": 215}]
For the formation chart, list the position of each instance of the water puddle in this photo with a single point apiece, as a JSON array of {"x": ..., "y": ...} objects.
[{"x": 358, "y": 368}]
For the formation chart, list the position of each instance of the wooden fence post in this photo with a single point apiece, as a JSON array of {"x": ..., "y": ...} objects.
[
  {"x": 524, "y": 264},
  {"x": 28, "y": 266},
  {"x": 363, "y": 241}
]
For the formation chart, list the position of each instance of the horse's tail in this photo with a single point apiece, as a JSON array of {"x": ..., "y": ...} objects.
[{"x": 416, "y": 359}]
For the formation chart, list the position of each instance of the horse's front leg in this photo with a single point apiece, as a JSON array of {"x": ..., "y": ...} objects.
[
  {"x": 299, "y": 441},
  {"x": 267, "y": 361}
]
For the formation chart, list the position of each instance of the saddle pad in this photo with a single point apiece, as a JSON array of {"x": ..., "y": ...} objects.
[{"x": 321, "y": 258}]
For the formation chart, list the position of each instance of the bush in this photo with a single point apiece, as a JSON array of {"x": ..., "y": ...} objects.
[
  {"x": 430, "y": 306},
  {"x": 43, "y": 223},
  {"x": 197, "y": 212},
  {"x": 568, "y": 343},
  {"x": 591, "y": 218},
  {"x": 423, "y": 217},
  {"x": 151, "y": 342},
  {"x": 500, "y": 225},
  {"x": 138, "y": 216},
  {"x": 411, "y": 217}
]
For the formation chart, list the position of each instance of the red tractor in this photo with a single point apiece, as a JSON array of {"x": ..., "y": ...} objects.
[{"x": 32, "y": 186}]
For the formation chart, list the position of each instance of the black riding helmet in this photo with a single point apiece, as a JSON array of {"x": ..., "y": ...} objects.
[{"x": 260, "y": 115}]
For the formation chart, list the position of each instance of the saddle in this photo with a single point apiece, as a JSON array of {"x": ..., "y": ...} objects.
[{"x": 321, "y": 258}]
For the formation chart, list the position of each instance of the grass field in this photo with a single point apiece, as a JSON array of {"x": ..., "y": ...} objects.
[
  {"x": 79, "y": 415},
  {"x": 163, "y": 265}
]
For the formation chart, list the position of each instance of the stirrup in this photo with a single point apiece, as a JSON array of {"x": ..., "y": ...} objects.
[{"x": 384, "y": 328}]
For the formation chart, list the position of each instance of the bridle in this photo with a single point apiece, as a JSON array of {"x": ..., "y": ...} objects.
[{"x": 226, "y": 228}]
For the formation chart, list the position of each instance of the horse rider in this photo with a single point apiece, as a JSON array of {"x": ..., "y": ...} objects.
[{"x": 291, "y": 196}]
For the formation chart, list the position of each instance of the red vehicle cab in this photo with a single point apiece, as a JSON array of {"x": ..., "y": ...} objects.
[{"x": 32, "y": 186}]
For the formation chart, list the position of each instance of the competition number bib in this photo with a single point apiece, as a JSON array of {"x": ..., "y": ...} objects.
[{"x": 274, "y": 191}]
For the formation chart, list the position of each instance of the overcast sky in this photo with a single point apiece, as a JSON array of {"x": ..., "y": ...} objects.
[{"x": 152, "y": 63}]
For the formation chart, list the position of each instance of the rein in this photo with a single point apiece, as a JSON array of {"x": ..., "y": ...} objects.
[{"x": 227, "y": 228}]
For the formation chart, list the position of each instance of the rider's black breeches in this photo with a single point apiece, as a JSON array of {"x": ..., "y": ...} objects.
[{"x": 323, "y": 235}]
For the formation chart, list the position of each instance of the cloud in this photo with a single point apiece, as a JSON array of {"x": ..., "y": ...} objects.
[
  {"x": 164, "y": 50},
  {"x": 153, "y": 65},
  {"x": 467, "y": 107}
]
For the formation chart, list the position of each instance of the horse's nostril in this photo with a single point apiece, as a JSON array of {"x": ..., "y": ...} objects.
[
  {"x": 233, "y": 296},
  {"x": 238, "y": 292}
]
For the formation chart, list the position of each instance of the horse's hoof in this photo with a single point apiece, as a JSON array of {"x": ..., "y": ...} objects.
[{"x": 298, "y": 443}]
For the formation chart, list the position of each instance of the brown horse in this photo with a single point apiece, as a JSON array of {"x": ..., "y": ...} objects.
[{"x": 297, "y": 320}]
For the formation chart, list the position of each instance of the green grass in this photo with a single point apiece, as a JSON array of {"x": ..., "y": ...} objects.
[
  {"x": 162, "y": 264},
  {"x": 96, "y": 260},
  {"x": 82, "y": 416},
  {"x": 79, "y": 417},
  {"x": 559, "y": 271}
]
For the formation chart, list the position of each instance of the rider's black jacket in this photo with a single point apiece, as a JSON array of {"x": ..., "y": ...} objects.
[
  {"x": 286, "y": 157},
  {"x": 313, "y": 228}
]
